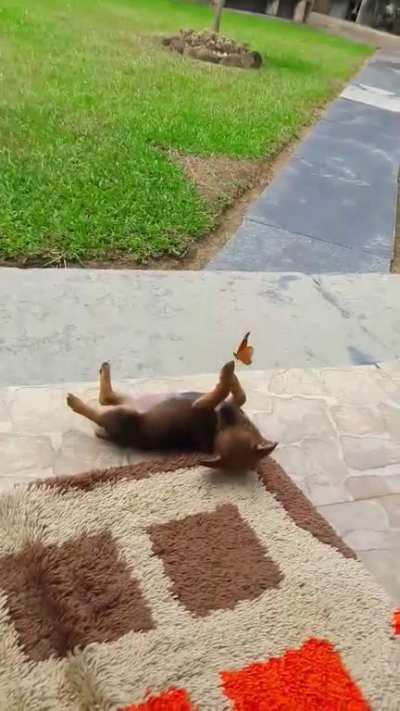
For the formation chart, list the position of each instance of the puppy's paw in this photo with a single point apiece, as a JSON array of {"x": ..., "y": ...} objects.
[
  {"x": 101, "y": 433},
  {"x": 227, "y": 372},
  {"x": 73, "y": 402}
]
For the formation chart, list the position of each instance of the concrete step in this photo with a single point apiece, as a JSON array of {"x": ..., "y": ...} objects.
[{"x": 59, "y": 325}]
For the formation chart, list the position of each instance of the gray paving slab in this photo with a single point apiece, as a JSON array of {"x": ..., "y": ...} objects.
[
  {"x": 338, "y": 190},
  {"x": 382, "y": 71},
  {"x": 59, "y": 325},
  {"x": 352, "y": 159},
  {"x": 332, "y": 203},
  {"x": 374, "y": 138},
  {"x": 368, "y": 124},
  {"x": 378, "y": 83},
  {"x": 256, "y": 244}
]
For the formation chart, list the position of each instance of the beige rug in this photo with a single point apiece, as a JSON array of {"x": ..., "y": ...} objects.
[{"x": 165, "y": 587}]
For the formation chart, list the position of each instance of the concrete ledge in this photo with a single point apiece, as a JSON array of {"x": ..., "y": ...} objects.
[{"x": 59, "y": 325}]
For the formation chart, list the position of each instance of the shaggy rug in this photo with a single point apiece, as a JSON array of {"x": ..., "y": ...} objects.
[{"x": 162, "y": 586}]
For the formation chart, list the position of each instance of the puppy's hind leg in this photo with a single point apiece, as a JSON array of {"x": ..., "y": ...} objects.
[
  {"x": 113, "y": 420},
  {"x": 94, "y": 414},
  {"x": 108, "y": 396}
]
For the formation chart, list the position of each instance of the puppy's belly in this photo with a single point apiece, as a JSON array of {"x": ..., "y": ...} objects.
[
  {"x": 175, "y": 424},
  {"x": 145, "y": 403}
]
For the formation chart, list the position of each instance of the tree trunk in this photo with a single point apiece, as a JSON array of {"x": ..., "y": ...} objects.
[
  {"x": 307, "y": 10},
  {"x": 286, "y": 9},
  {"x": 218, "y": 7},
  {"x": 362, "y": 15}
]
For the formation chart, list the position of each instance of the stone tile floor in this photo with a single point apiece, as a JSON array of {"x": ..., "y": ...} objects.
[{"x": 338, "y": 429}]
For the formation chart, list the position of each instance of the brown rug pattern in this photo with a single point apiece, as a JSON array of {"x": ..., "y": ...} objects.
[{"x": 162, "y": 578}]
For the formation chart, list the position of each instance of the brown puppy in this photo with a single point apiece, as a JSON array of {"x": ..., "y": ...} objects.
[{"x": 213, "y": 422}]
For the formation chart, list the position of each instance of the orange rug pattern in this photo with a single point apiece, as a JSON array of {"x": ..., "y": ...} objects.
[
  {"x": 312, "y": 678},
  {"x": 172, "y": 700},
  {"x": 396, "y": 622}
]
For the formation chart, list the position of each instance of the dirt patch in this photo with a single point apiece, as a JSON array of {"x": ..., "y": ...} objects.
[
  {"x": 219, "y": 180},
  {"x": 232, "y": 213},
  {"x": 231, "y": 185},
  {"x": 211, "y": 47},
  {"x": 395, "y": 265}
]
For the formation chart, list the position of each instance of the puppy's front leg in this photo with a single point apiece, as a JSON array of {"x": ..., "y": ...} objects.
[
  {"x": 221, "y": 391},
  {"x": 238, "y": 395}
]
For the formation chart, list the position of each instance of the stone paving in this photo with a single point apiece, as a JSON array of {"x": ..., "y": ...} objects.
[
  {"x": 343, "y": 174},
  {"x": 339, "y": 434}
]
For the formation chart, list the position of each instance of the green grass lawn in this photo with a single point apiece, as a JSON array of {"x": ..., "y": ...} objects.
[{"x": 90, "y": 104}]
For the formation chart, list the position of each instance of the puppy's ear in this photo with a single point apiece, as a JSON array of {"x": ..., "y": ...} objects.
[
  {"x": 215, "y": 463},
  {"x": 264, "y": 450}
]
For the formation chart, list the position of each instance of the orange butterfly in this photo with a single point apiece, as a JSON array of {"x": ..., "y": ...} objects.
[{"x": 244, "y": 352}]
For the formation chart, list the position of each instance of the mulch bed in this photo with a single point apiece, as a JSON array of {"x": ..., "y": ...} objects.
[{"x": 211, "y": 47}]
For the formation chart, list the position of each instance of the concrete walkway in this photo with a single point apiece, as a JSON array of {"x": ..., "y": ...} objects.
[
  {"x": 332, "y": 208},
  {"x": 354, "y": 31},
  {"x": 338, "y": 432},
  {"x": 59, "y": 325}
]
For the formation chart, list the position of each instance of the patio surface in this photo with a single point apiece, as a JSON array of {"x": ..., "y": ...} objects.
[{"x": 338, "y": 429}]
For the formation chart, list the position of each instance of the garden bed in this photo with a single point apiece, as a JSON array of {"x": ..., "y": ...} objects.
[{"x": 211, "y": 47}]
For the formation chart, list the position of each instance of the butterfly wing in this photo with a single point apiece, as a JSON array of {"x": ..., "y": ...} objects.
[
  {"x": 243, "y": 343},
  {"x": 244, "y": 352},
  {"x": 246, "y": 355}
]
